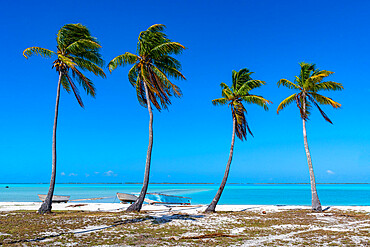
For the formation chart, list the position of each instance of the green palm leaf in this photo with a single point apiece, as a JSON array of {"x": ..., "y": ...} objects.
[
  {"x": 122, "y": 60},
  {"x": 287, "y": 83},
  {"x": 37, "y": 51},
  {"x": 286, "y": 102}
]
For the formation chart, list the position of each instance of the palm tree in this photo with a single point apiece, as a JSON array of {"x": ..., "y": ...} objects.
[
  {"x": 308, "y": 84},
  {"x": 242, "y": 83},
  {"x": 76, "y": 50},
  {"x": 149, "y": 74}
]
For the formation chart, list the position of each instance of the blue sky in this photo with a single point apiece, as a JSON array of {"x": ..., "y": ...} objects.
[{"x": 107, "y": 141}]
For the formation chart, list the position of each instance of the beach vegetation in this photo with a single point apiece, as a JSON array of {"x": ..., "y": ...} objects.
[
  {"x": 284, "y": 227},
  {"x": 239, "y": 93},
  {"x": 307, "y": 85},
  {"x": 153, "y": 66},
  {"x": 77, "y": 51}
]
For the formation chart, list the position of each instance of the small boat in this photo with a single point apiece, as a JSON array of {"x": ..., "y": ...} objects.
[
  {"x": 55, "y": 199},
  {"x": 160, "y": 198},
  {"x": 125, "y": 198},
  {"x": 155, "y": 198}
]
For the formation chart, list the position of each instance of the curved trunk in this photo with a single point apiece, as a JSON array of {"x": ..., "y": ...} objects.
[
  {"x": 212, "y": 207},
  {"x": 46, "y": 205},
  {"x": 316, "y": 205},
  {"x": 136, "y": 206}
]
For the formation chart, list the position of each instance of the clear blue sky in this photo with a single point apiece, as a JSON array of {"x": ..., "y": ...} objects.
[{"x": 107, "y": 141}]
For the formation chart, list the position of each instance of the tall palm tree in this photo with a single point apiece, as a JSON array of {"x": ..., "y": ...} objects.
[
  {"x": 308, "y": 84},
  {"x": 242, "y": 84},
  {"x": 76, "y": 50},
  {"x": 149, "y": 75}
]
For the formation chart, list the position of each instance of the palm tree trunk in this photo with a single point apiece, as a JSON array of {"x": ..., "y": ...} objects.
[
  {"x": 136, "y": 206},
  {"x": 212, "y": 207},
  {"x": 316, "y": 205},
  {"x": 46, "y": 205}
]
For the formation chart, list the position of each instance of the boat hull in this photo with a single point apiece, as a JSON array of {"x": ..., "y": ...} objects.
[
  {"x": 55, "y": 199},
  {"x": 124, "y": 197}
]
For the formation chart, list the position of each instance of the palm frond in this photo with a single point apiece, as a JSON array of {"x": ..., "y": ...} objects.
[
  {"x": 164, "y": 80},
  {"x": 287, "y": 83},
  {"x": 89, "y": 66},
  {"x": 122, "y": 60},
  {"x": 220, "y": 101},
  {"x": 318, "y": 107},
  {"x": 71, "y": 33},
  {"x": 133, "y": 74},
  {"x": 286, "y": 102},
  {"x": 258, "y": 100},
  {"x": 248, "y": 86},
  {"x": 82, "y": 45},
  {"x": 167, "y": 49},
  {"x": 75, "y": 91},
  {"x": 325, "y": 100},
  {"x": 85, "y": 82},
  {"x": 65, "y": 83},
  {"x": 319, "y": 76},
  {"x": 37, "y": 51},
  {"x": 328, "y": 86},
  {"x": 156, "y": 28}
]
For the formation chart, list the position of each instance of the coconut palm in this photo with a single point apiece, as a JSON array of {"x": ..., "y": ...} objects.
[
  {"x": 239, "y": 92},
  {"x": 308, "y": 84},
  {"x": 149, "y": 75},
  {"x": 76, "y": 50}
]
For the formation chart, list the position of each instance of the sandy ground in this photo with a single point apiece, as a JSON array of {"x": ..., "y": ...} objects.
[
  {"x": 191, "y": 209},
  {"x": 106, "y": 224}
]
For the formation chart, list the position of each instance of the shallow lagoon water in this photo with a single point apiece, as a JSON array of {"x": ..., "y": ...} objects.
[{"x": 249, "y": 194}]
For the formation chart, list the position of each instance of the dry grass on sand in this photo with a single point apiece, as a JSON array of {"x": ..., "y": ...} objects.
[{"x": 299, "y": 227}]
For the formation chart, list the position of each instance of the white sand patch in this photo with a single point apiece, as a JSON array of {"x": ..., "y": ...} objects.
[
  {"x": 237, "y": 230},
  {"x": 89, "y": 229},
  {"x": 163, "y": 209}
]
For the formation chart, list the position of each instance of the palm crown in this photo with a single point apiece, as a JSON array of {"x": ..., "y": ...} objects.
[
  {"x": 242, "y": 84},
  {"x": 152, "y": 66},
  {"x": 76, "y": 50},
  {"x": 309, "y": 83}
]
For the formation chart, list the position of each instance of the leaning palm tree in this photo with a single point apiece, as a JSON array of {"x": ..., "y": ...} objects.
[
  {"x": 76, "y": 50},
  {"x": 308, "y": 84},
  {"x": 149, "y": 75},
  {"x": 242, "y": 84}
]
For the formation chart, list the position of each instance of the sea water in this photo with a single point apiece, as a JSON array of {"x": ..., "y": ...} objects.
[{"x": 252, "y": 194}]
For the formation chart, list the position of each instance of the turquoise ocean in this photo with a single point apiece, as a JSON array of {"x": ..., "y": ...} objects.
[{"x": 252, "y": 194}]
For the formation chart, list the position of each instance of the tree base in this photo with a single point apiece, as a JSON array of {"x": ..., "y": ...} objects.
[
  {"x": 136, "y": 207},
  {"x": 44, "y": 209},
  {"x": 317, "y": 208},
  {"x": 210, "y": 209}
]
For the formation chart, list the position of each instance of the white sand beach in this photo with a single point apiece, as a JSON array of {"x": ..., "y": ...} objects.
[
  {"x": 190, "y": 209},
  {"x": 106, "y": 224}
]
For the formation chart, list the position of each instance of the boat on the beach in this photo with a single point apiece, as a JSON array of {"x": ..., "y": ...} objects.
[
  {"x": 161, "y": 198},
  {"x": 155, "y": 198},
  {"x": 55, "y": 199},
  {"x": 126, "y": 198}
]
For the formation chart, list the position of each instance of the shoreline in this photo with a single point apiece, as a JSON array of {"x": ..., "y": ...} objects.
[
  {"x": 168, "y": 183},
  {"x": 193, "y": 209}
]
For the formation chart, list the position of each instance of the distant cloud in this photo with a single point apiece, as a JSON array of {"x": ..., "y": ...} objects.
[
  {"x": 96, "y": 172},
  {"x": 330, "y": 172},
  {"x": 62, "y": 174},
  {"x": 110, "y": 173},
  {"x": 87, "y": 175},
  {"x": 72, "y": 174}
]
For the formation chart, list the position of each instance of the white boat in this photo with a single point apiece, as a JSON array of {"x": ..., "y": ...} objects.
[
  {"x": 160, "y": 198},
  {"x": 55, "y": 199},
  {"x": 124, "y": 197},
  {"x": 155, "y": 198}
]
